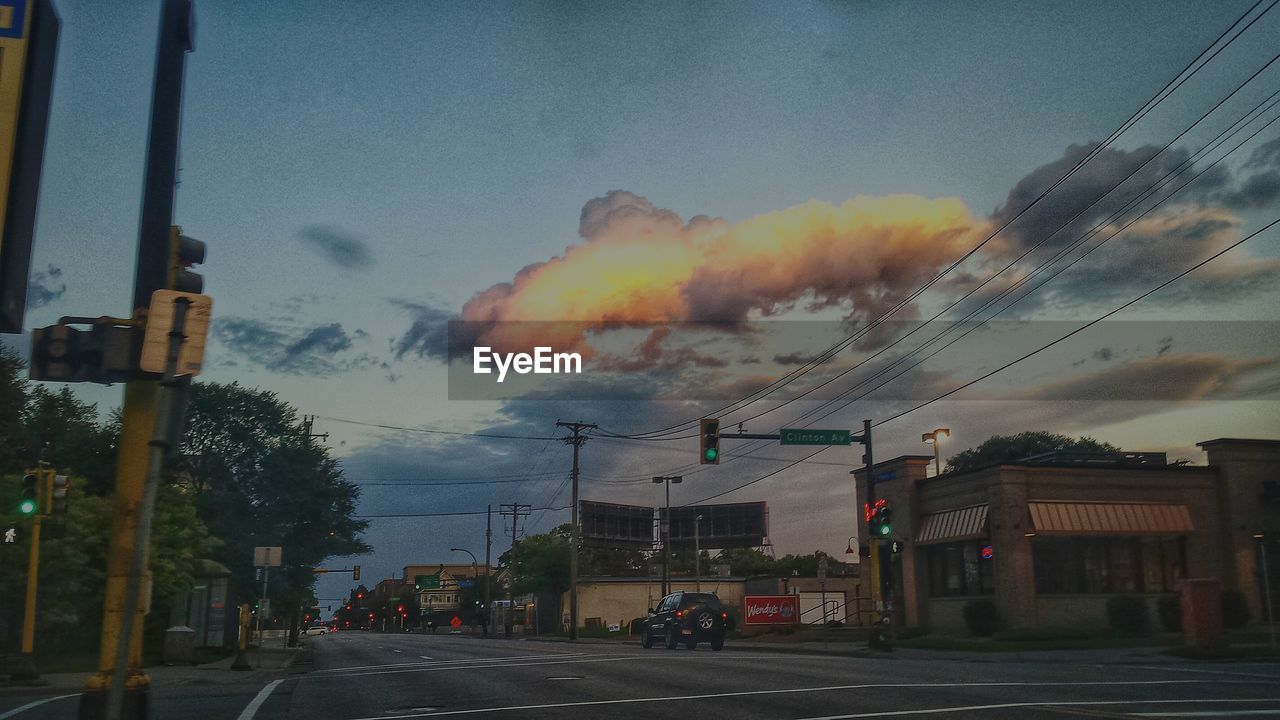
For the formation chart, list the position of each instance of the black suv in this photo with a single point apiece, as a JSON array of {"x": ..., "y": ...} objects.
[{"x": 686, "y": 617}]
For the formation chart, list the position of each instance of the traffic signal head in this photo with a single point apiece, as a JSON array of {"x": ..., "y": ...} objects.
[
  {"x": 183, "y": 253},
  {"x": 102, "y": 354},
  {"x": 355, "y": 572},
  {"x": 60, "y": 492},
  {"x": 29, "y": 499},
  {"x": 710, "y": 438}
]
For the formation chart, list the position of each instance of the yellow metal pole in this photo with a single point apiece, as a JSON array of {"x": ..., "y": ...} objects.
[
  {"x": 138, "y": 420},
  {"x": 33, "y": 580}
]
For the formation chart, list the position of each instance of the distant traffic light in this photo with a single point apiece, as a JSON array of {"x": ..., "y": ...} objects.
[
  {"x": 60, "y": 494},
  {"x": 709, "y": 431},
  {"x": 29, "y": 499},
  {"x": 355, "y": 572},
  {"x": 183, "y": 253}
]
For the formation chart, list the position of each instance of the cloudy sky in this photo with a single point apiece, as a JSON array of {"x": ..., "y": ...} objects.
[{"x": 701, "y": 198}]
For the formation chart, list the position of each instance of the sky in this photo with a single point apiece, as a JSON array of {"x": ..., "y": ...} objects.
[{"x": 364, "y": 173}]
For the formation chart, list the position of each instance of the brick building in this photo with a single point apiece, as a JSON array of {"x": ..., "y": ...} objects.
[{"x": 1050, "y": 538}]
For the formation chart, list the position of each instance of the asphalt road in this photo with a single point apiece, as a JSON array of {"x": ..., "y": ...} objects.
[{"x": 367, "y": 676}]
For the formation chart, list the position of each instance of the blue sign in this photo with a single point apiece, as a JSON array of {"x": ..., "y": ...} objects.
[
  {"x": 466, "y": 583},
  {"x": 16, "y": 16},
  {"x": 887, "y": 475}
]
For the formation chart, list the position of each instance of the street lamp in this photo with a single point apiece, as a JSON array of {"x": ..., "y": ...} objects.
[
  {"x": 666, "y": 531},
  {"x": 475, "y": 573},
  {"x": 850, "y": 550},
  {"x": 935, "y": 438}
]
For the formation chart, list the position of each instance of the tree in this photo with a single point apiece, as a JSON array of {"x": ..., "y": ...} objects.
[
  {"x": 14, "y": 453},
  {"x": 260, "y": 481},
  {"x": 1007, "y": 448},
  {"x": 66, "y": 432},
  {"x": 748, "y": 562},
  {"x": 539, "y": 563}
]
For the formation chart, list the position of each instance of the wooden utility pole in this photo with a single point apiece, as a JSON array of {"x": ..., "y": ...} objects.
[
  {"x": 488, "y": 568},
  {"x": 576, "y": 440},
  {"x": 515, "y": 510}
]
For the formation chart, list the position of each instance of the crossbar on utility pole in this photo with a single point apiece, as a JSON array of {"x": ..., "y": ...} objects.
[
  {"x": 576, "y": 440},
  {"x": 515, "y": 510}
]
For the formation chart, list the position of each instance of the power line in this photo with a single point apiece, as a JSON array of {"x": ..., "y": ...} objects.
[
  {"x": 431, "y": 431},
  {"x": 1169, "y": 88},
  {"x": 440, "y": 514}
]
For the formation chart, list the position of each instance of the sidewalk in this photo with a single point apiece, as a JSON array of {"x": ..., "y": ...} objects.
[
  {"x": 859, "y": 649},
  {"x": 275, "y": 661}
]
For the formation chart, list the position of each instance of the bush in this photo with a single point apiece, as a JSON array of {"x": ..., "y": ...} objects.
[
  {"x": 1129, "y": 614},
  {"x": 1169, "y": 608},
  {"x": 1235, "y": 610},
  {"x": 982, "y": 617}
]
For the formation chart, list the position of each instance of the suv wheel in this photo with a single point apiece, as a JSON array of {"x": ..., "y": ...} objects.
[
  {"x": 647, "y": 639},
  {"x": 717, "y": 644},
  {"x": 706, "y": 620},
  {"x": 671, "y": 639}
]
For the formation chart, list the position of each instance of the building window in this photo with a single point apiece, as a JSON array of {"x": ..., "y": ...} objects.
[
  {"x": 959, "y": 569},
  {"x": 1088, "y": 565}
]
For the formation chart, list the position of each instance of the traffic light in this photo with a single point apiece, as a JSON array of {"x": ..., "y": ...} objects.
[
  {"x": 400, "y": 609},
  {"x": 878, "y": 516},
  {"x": 60, "y": 492},
  {"x": 183, "y": 253},
  {"x": 355, "y": 572},
  {"x": 710, "y": 434},
  {"x": 29, "y": 499},
  {"x": 101, "y": 354}
]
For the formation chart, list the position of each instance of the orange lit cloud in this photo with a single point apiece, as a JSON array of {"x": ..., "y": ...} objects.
[{"x": 638, "y": 263}]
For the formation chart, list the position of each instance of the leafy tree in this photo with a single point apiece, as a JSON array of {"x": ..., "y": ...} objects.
[
  {"x": 748, "y": 562},
  {"x": 1007, "y": 448},
  {"x": 259, "y": 480},
  {"x": 67, "y": 433},
  {"x": 14, "y": 454},
  {"x": 539, "y": 563}
]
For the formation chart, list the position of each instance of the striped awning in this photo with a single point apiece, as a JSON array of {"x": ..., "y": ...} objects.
[
  {"x": 1100, "y": 518},
  {"x": 949, "y": 525}
]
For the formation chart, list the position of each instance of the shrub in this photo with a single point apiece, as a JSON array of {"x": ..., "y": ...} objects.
[
  {"x": 1235, "y": 610},
  {"x": 1129, "y": 614},
  {"x": 982, "y": 617},
  {"x": 1169, "y": 608}
]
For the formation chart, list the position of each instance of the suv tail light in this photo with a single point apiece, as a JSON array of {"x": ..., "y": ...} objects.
[
  {"x": 679, "y": 613},
  {"x": 724, "y": 616}
]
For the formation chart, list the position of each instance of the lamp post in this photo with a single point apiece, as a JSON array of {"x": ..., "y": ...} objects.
[
  {"x": 666, "y": 531},
  {"x": 475, "y": 573},
  {"x": 935, "y": 438},
  {"x": 697, "y": 553}
]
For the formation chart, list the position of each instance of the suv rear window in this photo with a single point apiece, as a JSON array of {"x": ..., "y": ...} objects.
[{"x": 709, "y": 599}]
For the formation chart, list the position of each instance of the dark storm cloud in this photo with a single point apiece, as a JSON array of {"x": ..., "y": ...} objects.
[
  {"x": 340, "y": 247},
  {"x": 428, "y": 334},
  {"x": 1178, "y": 377},
  {"x": 45, "y": 287},
  {"x": 289, "y": 350},
  {"x": 795, "y": 358},
  {"x": 1195, "y": 223}
]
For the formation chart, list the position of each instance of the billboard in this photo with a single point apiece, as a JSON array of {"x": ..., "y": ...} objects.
[
  {"x": 722, "y": 526},
  {"x": 771, "y": 609},
  {"x": 613, "y": 524}
]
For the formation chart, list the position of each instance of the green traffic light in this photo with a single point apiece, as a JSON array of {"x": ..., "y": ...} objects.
[
  {"x": 27, "y": 507},
  {"x": 711, "y": 453},
  {"x": 885, "y": 529}
]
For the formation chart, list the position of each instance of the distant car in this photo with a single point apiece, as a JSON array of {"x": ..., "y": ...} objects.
[
  {"x": 686, "y": 617},
  {"x": 317, "y": 629}
]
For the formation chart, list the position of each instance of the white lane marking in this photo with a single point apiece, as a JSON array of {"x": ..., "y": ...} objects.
[
  {"x": 825, "y": 688},
  {"x": 37, "y": 703},
  {"x": 542, "y": 661},
  {"x": 397, "y": 651},
  {"x": 425, "y": 657},
  {"x": 450, "y": 662},
  {"x": 252, "y": 708},
  {"x": 1205, "y": 671},
  {"x": 1208, "y": 714},
  {"x": 1069, "y": 703}
]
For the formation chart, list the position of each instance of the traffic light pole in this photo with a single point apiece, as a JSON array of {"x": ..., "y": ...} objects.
[{"x": 29, "y": 611}]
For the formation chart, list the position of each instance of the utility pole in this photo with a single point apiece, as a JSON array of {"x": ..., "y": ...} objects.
[
  {"x": 576, "y": 440},
  {"x": 488, "y": 569},
  {"x": 516, "y": 510},
  {"x": 307, "y": 435}
]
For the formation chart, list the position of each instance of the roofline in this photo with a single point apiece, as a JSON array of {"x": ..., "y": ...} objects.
[{"x": 1239, "y": 441}]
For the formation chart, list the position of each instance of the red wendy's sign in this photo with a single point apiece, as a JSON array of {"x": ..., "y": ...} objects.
[{"x": 771, "y": 609}]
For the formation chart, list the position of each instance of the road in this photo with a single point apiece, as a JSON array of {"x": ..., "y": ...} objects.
[{"x": 368, "y": 676}]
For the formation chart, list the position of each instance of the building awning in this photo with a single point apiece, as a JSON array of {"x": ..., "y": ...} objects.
[
  {"x": 1099, "y": 518},
  {"x": 951, "y": 525}
]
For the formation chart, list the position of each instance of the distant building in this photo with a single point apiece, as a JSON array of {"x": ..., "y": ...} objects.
[
  {"x": 1050, "y": 538},
  {"x": 441, "y": 584}
]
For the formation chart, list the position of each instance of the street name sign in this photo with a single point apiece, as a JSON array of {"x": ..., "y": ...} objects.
[
  {"x": 805, "y": 436},
  {"x": 266, "y": 556},
  {"x": 426, "y": 582},
  {"x": 160, "y": 320}
]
